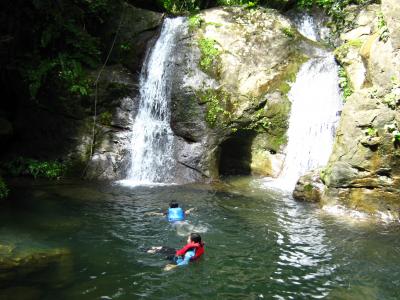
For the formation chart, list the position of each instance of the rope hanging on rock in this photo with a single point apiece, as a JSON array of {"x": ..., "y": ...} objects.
[{"x": 96, "y": 90}]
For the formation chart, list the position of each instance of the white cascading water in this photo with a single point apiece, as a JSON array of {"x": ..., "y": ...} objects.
[
  {"x": 306, "y": 26},
  {"x": 316, "y": 101},
  {"x": 152, "y": 159}
]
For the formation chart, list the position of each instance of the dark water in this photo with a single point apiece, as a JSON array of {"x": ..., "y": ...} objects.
[{"x": 259, "y": 245}]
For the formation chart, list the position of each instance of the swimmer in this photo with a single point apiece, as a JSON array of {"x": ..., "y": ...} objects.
[
  {"x": 174, "y": 213},
  {"x": 192, "y": 251}
]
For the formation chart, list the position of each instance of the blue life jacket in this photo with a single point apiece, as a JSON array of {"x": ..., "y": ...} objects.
[{"x": 175, "y": 214}]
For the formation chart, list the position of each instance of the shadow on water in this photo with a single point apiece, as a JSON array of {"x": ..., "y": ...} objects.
[{"x": 259, "y": 244}]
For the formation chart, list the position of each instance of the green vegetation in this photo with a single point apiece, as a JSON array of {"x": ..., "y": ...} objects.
[
  {"x": 216, "y": 102},
  {"x": 308, "y": 187},
  {"x": 394, "y": 131},
  {"x": 22, "y": 166},
  {"x": 372, "y": 132},
  {"x": 209, "y": 54},
  {"x": 344, "y": 83},
  {"x": 213, "y": 110},
  {"x": 342, "y": 51},
  {"x": 288, "y": 32},
  {"x": 52, "y": 44},
  {"x": 392, "y": 99},
  {"x": 105, "y": 118},
  {"x": 260, "y": 122},
  {"x": 195, "y": 21},
  {"x": 180, "y": 6},
  {"x": 334, "y": 8},
  {"x": 247, "y": 3},
  {"x": 3, "y": 189},
  {"x": 383, "y": 29}
]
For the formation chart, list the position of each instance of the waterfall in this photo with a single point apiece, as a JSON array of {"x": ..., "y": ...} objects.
[
  {"x": 152, "y": 159},
  {"x": 307, "y": 27},
  {"x": 316, "y": 101}
]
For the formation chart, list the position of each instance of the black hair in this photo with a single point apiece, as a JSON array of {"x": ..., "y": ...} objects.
[
  {"x": 195, "y": 237},
  {"x": 173, "y": 204}
]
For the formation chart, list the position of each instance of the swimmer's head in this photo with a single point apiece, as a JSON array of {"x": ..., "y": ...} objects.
[
  {"x": 195, "y": 238},
  {"x": 173, "y": 204}
]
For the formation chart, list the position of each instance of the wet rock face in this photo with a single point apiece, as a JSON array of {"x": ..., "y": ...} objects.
[
  {"x": 117, "y": 100},
  {"x": 117, "y": 104},
  {"x": 364, "y": 170},
  {"x": 133, "y": 28},
  {"x": 230, "y": 82}
]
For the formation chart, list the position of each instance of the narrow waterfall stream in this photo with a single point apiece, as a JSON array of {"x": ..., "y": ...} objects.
[
  {"x": 152, "y": 159},
  {"x": 316, "y": 101}
]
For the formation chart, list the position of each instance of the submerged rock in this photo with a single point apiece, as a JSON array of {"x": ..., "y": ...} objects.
[{"x": 55, "y": 264}]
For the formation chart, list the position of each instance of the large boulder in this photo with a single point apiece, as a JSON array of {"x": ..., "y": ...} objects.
[
  {"x": 364, "y": 168},
  {"x": 229, "y": 93},
  {"x": 309, "y": 187}
]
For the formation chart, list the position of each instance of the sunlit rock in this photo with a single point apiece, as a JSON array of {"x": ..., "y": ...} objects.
[
  {"x": 233, "y": 103},
  {"x": 309, "y": 187},
  {"x": 364, "y": 171}
]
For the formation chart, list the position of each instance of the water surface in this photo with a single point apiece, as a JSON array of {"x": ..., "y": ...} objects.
[{"x": 259, "y": 244}]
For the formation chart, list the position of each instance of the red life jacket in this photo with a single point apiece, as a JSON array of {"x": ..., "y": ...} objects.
[{"x": 199, "y": 250}]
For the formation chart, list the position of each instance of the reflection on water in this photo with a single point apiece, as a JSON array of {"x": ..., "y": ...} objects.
[{"x": 259, "y": 244}]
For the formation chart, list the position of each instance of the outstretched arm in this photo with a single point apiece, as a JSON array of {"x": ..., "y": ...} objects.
[
  {"x": 153, "y": 213},
  {"x": 189, "y": 210},
  {"x": 181, "y": 262}
]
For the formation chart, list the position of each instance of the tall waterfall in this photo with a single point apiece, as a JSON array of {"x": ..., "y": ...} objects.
[
  {"x": 316, "y": 101},
  {"x": 152, "y": 159}
]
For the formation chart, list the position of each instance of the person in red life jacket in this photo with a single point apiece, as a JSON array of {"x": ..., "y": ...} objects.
[{"x": 192, "y": 251}]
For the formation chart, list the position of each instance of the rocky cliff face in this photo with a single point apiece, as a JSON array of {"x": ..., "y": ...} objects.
[
  {"x": 117, "y": 98},
  {"x": 229, "y": 100},
  {"x": 364, "y": 169}
]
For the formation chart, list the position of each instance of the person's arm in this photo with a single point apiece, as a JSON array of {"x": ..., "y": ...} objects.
[
  {"x": 186, "y": 258},
  {"x": 183, "y": 262},
  {"x": 153, "y": 213},
  {"x": 189, "y": 210}
]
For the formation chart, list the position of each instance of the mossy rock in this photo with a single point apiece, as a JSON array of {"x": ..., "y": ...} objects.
[{"x": 18, "y": 264}]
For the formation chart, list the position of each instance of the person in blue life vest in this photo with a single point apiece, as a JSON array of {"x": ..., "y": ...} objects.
[
  {"x": 192, "y": 251},
  {"x": 174, "y": 213}
]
